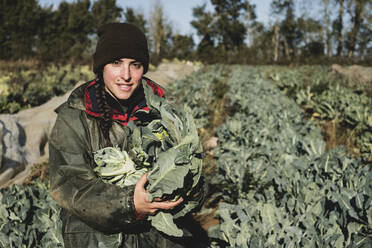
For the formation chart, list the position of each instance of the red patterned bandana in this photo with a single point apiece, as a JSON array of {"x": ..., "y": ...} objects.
[{"x": 137, "y": 107}]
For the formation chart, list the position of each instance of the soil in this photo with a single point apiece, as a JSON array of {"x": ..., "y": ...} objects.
[{"x": 207, "y": 220}]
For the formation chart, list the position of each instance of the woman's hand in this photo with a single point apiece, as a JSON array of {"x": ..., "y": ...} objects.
[{"x": 143, "y": 206}]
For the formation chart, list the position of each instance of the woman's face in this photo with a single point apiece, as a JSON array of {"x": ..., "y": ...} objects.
[{"x": 122, "y": 77}]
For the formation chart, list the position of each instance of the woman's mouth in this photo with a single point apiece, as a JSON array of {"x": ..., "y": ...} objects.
[{"x": 124, "y": 87}]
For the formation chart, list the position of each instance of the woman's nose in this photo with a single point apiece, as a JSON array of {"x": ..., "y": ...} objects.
[{"x": 125, "y": 73}]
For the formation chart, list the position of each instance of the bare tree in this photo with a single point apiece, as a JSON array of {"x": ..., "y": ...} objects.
[
  {"x": 326, "y": 31},
  {"x": 357, "y": 20},
  {"x": 276, "y": 41},
  {"x": 339, "y": 27},
  {"x": 160, "y": 31},
  {"x": 250, "y": 18}
]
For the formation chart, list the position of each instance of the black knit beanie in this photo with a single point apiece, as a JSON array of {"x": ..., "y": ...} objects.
[{"x": 120, "y": 40}]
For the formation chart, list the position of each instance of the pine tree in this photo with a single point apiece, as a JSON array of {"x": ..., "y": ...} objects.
[
  {"x": 105, "y": 11},
  {"x": 18, "y": 26},
  {"x": 137, "y": 18}
]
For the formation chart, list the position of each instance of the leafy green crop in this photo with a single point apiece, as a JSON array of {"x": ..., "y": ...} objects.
[
  {"x": 22, "y": 89},
  {"x": 115, "y": 167},
  {"x": 199, "y": 91},
  {"x": 328, "y": 98},
  {"x": 285, "y": 190},
  {"x": 168, "y": 149},
  {"x": 278, "y": 185},
  {"x": 29, "y": 217}
]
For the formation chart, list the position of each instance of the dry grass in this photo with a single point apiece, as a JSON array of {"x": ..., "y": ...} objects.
[
  {"x": 6, "y": 65},
  {"x": 39, "y": 171},
  {"x": 335, "y": 134},
  {"x": 207, "y": 220}
]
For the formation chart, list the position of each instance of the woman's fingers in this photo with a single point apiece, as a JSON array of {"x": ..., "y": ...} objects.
[
  {"x": 153, "y": 207},
  {"x": 166, "y": 204},
  {"x": 140, "y": 197},
  {"x": 142, "y": 181}
]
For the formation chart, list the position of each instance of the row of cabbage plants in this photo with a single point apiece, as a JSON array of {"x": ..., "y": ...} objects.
[
  {"x": 29, "y": 217},
  {"x": 328, "y": 97},
  {"x": 279, "y": 186}
]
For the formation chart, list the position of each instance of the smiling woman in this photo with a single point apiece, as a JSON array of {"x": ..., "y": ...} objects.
[{"x": 100, "y": 114}]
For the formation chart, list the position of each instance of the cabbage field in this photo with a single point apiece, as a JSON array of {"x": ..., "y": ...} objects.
[{"x": 277, "y": 176}]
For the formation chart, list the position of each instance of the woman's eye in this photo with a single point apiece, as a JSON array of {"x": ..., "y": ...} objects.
[
  {"x": 137, "y": 65},
  {"x": 116, "y": 62}
]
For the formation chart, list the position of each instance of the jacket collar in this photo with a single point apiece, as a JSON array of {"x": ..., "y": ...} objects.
[{"x": 84, "y": 98}]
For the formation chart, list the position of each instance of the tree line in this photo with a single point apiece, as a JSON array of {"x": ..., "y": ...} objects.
[{"x": 228, "y": 32}]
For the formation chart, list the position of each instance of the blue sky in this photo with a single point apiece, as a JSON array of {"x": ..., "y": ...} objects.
[{"x": 178, "y": 12}]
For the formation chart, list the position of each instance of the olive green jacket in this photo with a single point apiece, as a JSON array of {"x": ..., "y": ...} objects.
[{"x": 94, "y": 213}]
